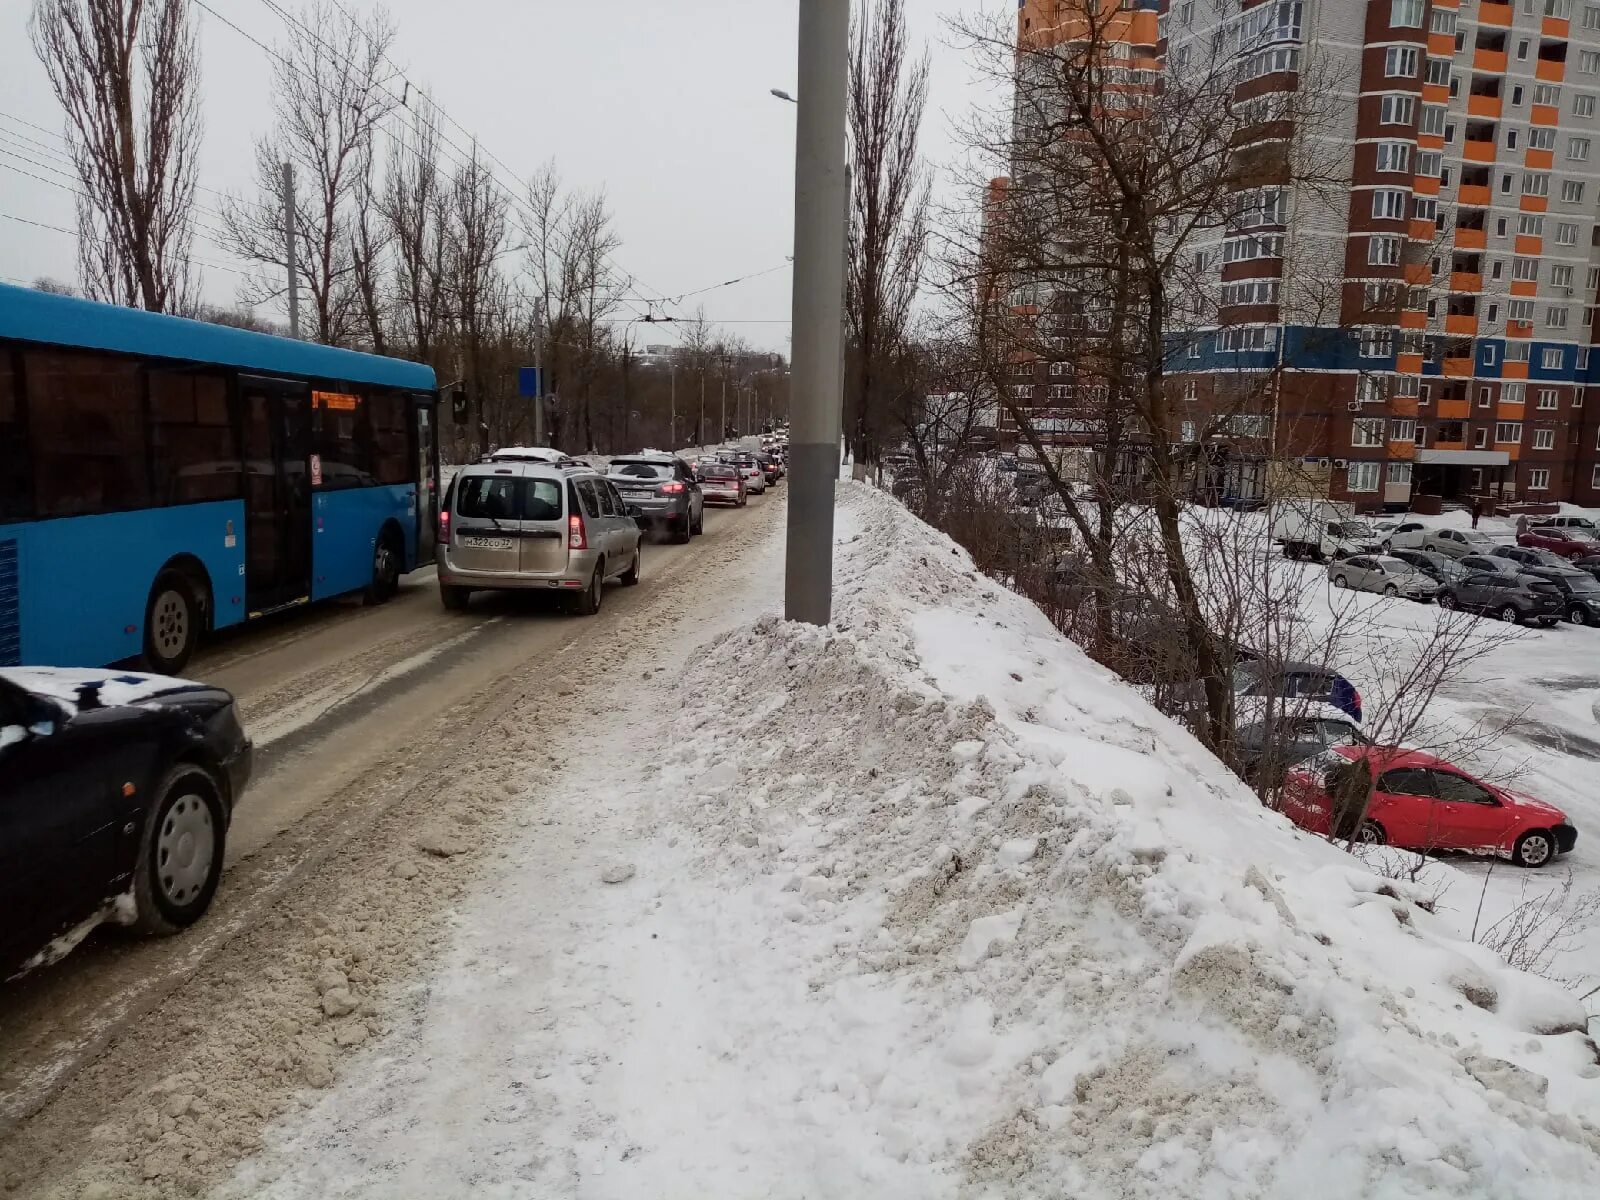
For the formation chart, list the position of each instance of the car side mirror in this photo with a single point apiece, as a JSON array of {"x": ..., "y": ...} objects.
[{"x": 635, "y": 511}]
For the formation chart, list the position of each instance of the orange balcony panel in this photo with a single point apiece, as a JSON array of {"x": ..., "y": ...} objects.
[
  {"x": 1556, "y": 27},
  {"x": 1544, "y": 114},
  {"x": 1519, "y": 329},
  {"x": 1461, "y": 323},
  {"x": 1512, "y": 449},
  {"x": 1442, "y": 45},
  {"x": 1550, "y": 72},
  {"x": 1528, "y": 244},
  {"x": 1402, "y": 450},
  {"x": 1455, "y": 410},
  {"x": 1498, "y": 15},
  {"x": 1466, "y": 239},
  {"x": 1408, "y": 364},
  {"x": 1422, "y": 231},
  {"x": 1477, "y": 150},
  {"x": 1413, "y": 318},
  {"x": 1477, "y": 106},
  {"x": 1435, "y": 93},
  {"x": 1509, "y": 412},
  {"x": 1513, "y": 370},
  {"x": 1534, "y": 203},
  {"x": 1492, "y": 62},
  {"x": 1444, "y": 445},
  {"x": 1524, "y": 287},
  {"x": 1428, "y": 185},
  {"x": 1471, "y": 195},
  {"x": 1416, "y": 272},
  {"x": 1456, "y": 368},
  {"x": 1466, "y": 281},
  {"x": 1430, "y": 141},
  {"x": 1541, "y": 160},
  {"x": 1403, "y": 406}
]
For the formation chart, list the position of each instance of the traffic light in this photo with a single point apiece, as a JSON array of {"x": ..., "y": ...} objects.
[{"x": 458, "y": 406}]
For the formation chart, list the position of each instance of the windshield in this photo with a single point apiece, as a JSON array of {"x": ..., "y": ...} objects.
[
  {"x": 1586, "y": 584},
  {"x": 635, "y": 469}
]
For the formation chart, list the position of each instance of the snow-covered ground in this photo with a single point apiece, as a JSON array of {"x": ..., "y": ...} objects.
[{"x": 929, "y": 905}]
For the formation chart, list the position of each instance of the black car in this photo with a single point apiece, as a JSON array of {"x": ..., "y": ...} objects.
[
  {"x": 1589, "y": 563},
  {"x": 1512, "y": 598},
  {"x": 1440, "y": 568},
  {"x": 666, "y": 491},
  {"x": 1579, "y": 590},
  {"x": 1529, "y": 556},
  {"x": 116, "y": 791},
  {"x": 770, "y": 466}
]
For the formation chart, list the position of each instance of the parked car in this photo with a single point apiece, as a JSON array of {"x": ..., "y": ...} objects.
[
  {"x": 1563, "y": 541},
  {"x": 1564, "y": 522},
  {"x": 119, "y": 789},
  {"x": 1267, "y": 748},
  {"x": 1405, "y": 535},
  {"x": 665, "y": 490},
  {"x": 1297, "y": 681},
  {"x": 770, "y": 466},
  {"x": 535, "y": 526},
  {"x": 1579, "y": 590},
  {"x": 1491, "y": 563},
  {"x": 1382, "y": 573},
  {"x": 1421, "y": 802},
  {"x": 1512, "y": 598},
  {"x": 1437, "y": 567},
  {"x": 1528, "y": 556},
  {"x": 722, "y": 482},
  {"x": 1589, "y": 563},
  {"x": 1458, "y": 543}
]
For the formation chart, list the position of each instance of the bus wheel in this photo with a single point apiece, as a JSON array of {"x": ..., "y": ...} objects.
[
  {"x": 385, "y": 570},
  {"x": 171, "y": 624}
]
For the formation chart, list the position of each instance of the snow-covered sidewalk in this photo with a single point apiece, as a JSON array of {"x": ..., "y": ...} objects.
[{"x": 929, "y": 905}]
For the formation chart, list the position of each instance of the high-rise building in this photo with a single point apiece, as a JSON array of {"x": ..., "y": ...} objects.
[{"x": 1428, "y": 324}]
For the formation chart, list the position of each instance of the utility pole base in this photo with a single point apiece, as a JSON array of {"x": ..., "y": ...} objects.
[{"x": 808, "y": 566}]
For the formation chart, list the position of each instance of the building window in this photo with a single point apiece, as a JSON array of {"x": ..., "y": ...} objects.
[
  {"x": 1491, "y": 314},
  {"x": 1547, "y": 94},
  {"x": 1577, "y": 398},
  {"x": 1406, "y": 14},
  {"x": 1530, "y": 225},
  {"x": 1550, "y": 358},
  {"x": 1191, "y": 390},
  {"x": 1022, "y": 391},
  {"x": 1537, "y": 183},
  {"x": 1480, "y": 437},
  {"x": 1422, "y": 436},
  {"x": 1399, "y": 474},
  {"x": 1548, "y": 398},
  {"x": 1591, "y": 17},
  {"x": 1589, "y": 62},
  {"x": 1432, "y": 122},
  {"x": 1377, "y": 343},
  {"x": 1400, "y": 62},
  {"x": 1544, "y": 439},
  {"x": 1188, "y": 431},
  {"x": 1519, "y": 310},
  {"x": 1484, "y": 397},
  {"x": 1058, "y": 368},
  {"x": 1430, "y": 163},
  {"x": 1396, "y": 110},
  {"x": 1566, "y": 233},
  {"x": 1516, "y": 96},
  {"x": 1505, "y": 184},
  {"x": 1555, "y": 316},
  {"x": 1389, "y": 204},
  {"x": 1488, "y": 354},
  {"x": 1583, "y": 104},
  {"x": 1403, "y": 429},
  {"x": 1525, "y": 269},
  {"x": 1425, "y": 208},
  {"x": 1442, "y": 20},
  {"x": 1517, "y": 352},
  {"x": 1437, "y": 72},
  {"x": 1499, "y": 227},
  {"x": 1542, "y": 138},
  {"x": 1571, "y": 190},
  {"x": 1383, "y": 251},
  {"x": 1561, "y": 276},
  {"x": 1394, "y": 157},
  {"x": 1363, "y": 477},
  {"x": 1539, "y": 479},
  {"x": 1512, "y": 392},
  {"x": 1578, "y": 149},
  {"x": 1366, "y": 432},
  {"x": 1508, "y": 433}
]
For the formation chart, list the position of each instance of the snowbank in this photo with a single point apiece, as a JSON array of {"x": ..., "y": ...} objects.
[{"x": 1051, "y": 947}]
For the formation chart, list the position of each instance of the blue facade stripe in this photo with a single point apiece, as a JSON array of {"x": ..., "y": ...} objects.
[{"x": 36, "y": 316}]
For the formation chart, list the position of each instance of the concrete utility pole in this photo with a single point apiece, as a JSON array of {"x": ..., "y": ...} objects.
[
  {"x": 538, "y": 363},
  {"x": 291, "y": 268},
  {"x": 820, "y": 195},
  {"x": 672, "y": 424}
]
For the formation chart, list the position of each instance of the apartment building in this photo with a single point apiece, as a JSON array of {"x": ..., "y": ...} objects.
[{"x": 1412, "y": 305}]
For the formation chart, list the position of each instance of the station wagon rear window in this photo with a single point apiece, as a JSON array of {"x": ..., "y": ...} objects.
[
  {"x": 505, "y": 498},
  {"x": 642, "y": 470}
]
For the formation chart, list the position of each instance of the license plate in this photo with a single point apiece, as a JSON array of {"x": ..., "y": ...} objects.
[
  {"x": 486, "y": 543},
  {"x": 638, "y": 495}
]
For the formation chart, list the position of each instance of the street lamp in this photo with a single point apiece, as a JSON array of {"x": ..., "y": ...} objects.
[{"x": 783, "y": 95}]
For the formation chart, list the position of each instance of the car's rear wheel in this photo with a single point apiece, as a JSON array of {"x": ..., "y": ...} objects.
[
  {"x": 593, "y": 596},
  {"x": 700, "y": 521},
  {"x": 630, "y": 577},
  {"x": 684, "y": 533},
  {"x": 1578, "y": 615},
  {"x": 454, "y": 598},
  {"x": 1534, "y": 849},
  {"x": 1391, "y": 590},
  {"x": 1509, "y": 614},
  {"x": 171, "y": 624},
  {"x": 1372, "y": 834},
  {"x": 1339, "y": 581},
  {"x": 1446, "y": 600},
  {"x": 180, "y": 855}
]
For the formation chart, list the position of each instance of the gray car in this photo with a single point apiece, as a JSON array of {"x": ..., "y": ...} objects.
[
  {"x": 518, "y": 526},
  {"x": 1458, "y": 543},
  {"x": 1492, "y": 563},
  {"x": 665, "y": 489},
  {"x": 1382, "y": 573},
  {"x": 1512, "y": 598}
]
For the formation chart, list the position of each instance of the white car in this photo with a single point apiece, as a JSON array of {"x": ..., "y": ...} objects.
[
  {"x": 1407, "y": 535},
  {"x": 1381, "y": 573},
  {"x": 1458, "y": 543}
]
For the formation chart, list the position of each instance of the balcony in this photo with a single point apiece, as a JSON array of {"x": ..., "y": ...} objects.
[
  {"x": 1455, "y": 410},
  {"x": 1495, "y": 14},
  {"x": 1541, "y": 160},
  {"x": 1464, "y": 324},
  {"x": 1556, "y": 27},
  {"x": 1550, "y": 70},
  {"x": 1487, "y": 107},
  {"x": 1469, "y": 239},
  {"x": 1466, "y": 281},
  {"x": 1413, "y": 318},
  {"x": 1526, "y": 243},
  {"x": 1416, "y": 273},
  {"x": 1450, "y": 444},
  {"x": 1455, "y": 368},
  {"x": 1510, "y": 410},
  {"x": 1492, "y": 62},
  {"x": 1402, "y": 451},
  {"x": 1534, "y": 203},
  {"x": 1477, "y": 151},
  {"x": 1519, "y": 329},
  {"x": 1544, "y": 114},
  {"x": 1472, "y": 195},
  {"x": 1402, "y": 406},
  {"x": 1422, "y": 231}
]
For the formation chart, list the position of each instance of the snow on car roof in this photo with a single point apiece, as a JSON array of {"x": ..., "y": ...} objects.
[{"x": 65, "y": 685}]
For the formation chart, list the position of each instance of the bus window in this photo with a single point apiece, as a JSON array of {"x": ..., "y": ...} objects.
[
  {"x": 16, "y": 477},
  {"x": 389, "y": 413},
  {"x": 193, "y": 456},
  {"x": 336, "y": 438},
  {"x": 87, "y": 433}
]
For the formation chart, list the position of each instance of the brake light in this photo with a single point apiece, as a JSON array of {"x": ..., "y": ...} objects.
[
  {"x": 577, "y": 536},
  {"x": 671, "y": 489},
  {"x": 1355, "y": 696},
  {"x": 444, "y": 525}
]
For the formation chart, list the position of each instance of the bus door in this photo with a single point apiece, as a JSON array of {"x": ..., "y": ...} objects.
[
  {"x": 276, "y": 443},
  {"x": 428, "y": 497}
]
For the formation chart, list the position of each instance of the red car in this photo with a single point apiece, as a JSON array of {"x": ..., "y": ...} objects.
[
  {"x": 1423, "y": 803},
  {"x": 1569, "y": 542}
]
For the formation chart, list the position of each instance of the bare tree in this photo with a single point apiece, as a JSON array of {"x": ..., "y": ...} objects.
[
  {"x": 888, "y": 227},
  {"x": 127, "y": 73},
  {"x": 477, "y": 232},
  {"x": 414, "y": 210},
  {"x": 330, "y": 91}
]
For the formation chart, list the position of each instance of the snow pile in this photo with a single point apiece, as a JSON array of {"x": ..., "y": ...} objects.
[{"x": 1033, "y": 940}]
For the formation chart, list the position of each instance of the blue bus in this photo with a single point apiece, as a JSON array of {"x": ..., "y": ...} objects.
[{"x": 162, "y": 478}]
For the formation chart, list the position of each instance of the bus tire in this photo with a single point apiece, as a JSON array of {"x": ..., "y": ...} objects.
[
  {"x": 388, "y": 555},
  {"x": 172, "y": 620}
]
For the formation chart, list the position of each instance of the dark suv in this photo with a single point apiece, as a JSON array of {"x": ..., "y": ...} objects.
[
  {"x": 1580, "y": 592},
  {"x": 1529, "y": 556},
  {"x": 665, "y": 489},
  {"x": 1509, "y": 597}
]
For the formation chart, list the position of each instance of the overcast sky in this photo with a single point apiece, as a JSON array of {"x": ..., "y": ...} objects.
[{"x": 663, "y": 103}]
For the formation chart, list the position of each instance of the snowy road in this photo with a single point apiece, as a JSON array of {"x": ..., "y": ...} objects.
[{"x": 365, "y": 720}]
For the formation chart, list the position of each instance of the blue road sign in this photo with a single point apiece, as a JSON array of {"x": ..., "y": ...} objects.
[{"x": 528, "y": 381}]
